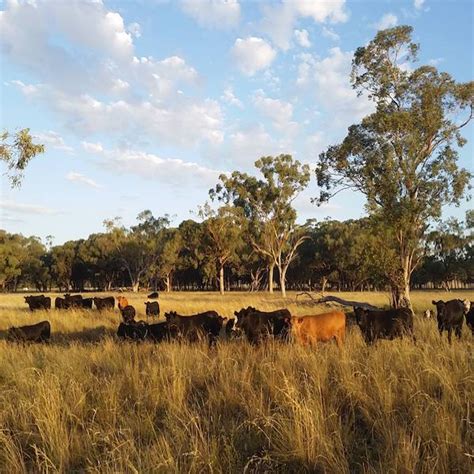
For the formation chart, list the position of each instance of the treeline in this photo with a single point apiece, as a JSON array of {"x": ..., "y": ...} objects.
[{"x": 334, "y": 255}]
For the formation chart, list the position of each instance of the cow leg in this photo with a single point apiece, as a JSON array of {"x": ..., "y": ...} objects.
[
  {"x": 449, "y": 335},
  {"x": 458, "y": 332}
]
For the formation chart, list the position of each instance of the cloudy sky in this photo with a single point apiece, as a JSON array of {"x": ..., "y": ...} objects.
[{"x": 141, "y": 105}]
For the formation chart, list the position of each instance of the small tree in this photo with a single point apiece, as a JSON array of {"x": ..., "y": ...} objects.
[
  {"x": 16, "y": 150},
  {"x": 402, "y": 157},
  {"x": 223, "y": 237},
  {"x": 268, "y": 204}
]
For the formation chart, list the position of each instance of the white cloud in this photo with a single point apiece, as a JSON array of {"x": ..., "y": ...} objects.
[
  {"x": 169, "y": 171},
  {"x": 278, "y": 111},
  {"x": 52, "y": 139},
  {"x": 86, "y": 71},
  {"x": 330, "y": 34},
  {"x": 435, "y": 61},
  {"x": 221, "y": 14},
  {"x": 302, "y": 38},
  {"x": 134, "y": 29},
  {"x": 252, "y": 54},
  {"x": 389, "y": 20},
  {"x": 279, "y": 20},
  {"x": 19, "y": 208},
  {"x": 329, "y": 77},
  {"x": 92, "y": 147},
  {"x": 229, "y": 97},
  {"x": 418, "y": 4},
  {"x": 80, "y": 178}
]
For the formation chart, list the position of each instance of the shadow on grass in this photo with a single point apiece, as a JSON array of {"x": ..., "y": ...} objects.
[{"x": 91, "y": 336}]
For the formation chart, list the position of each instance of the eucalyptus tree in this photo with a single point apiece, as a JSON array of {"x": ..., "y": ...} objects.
[
  {"x": 404, "y": 156},
  {"x": 268, "y": 204},
  {"x": 16, "y": 151},
  {"x": 223, "y": 232}
]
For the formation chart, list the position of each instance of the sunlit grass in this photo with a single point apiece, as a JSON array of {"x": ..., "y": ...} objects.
[{"x": 86, "y": 402}]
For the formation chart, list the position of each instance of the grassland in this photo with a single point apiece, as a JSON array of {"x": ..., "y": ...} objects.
[{"x": 86, "y": 402}]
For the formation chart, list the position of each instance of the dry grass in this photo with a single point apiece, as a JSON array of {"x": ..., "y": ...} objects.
[{"x": 86, "y": 402}]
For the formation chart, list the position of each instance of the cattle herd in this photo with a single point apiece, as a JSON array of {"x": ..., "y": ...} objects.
[{"x": 255, "y": 325}]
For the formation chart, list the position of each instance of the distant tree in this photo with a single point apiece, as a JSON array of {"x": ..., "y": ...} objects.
[
  {"x": 268, "y": 204},
  {"x": 63, "y": 258},
  {"x": 11, "y": 256},
  {"x": 170, "y": 245},
  {"x": 16, "y": 150},
  {"x": 223, "y": 237},
  {"x": 403, "y": 156},
  {"x": 137, "y": 247}
]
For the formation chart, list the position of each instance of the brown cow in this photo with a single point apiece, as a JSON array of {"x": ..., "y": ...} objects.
[
  {"x": 122, "y": 302},
  {"x": 308, "y": 330}
]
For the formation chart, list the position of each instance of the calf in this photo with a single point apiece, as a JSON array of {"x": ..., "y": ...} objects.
[
  {"x": 428, "y": 314},
  {"x": 104, "y": 303},
  {"x": 39, "y": 332},
  {"x": 384, "y": 324},
  {"x": 470, "y": 318},
  {"x": 450, "y": 316},
  {"x": 122, "y": 302},
  {"x": 207, "y": 324},
  {"x": 308, "y": 330},
  {"x": 152, "y": 308},
  {"x": 38, "y": 302},
  {"x": 72, "y": 301},
  {"x": 87, "y": 303},
  {"x": 257, "y": 325},
  {"x": 128, "y": 314},
  {"x": 60, "y": 303}
]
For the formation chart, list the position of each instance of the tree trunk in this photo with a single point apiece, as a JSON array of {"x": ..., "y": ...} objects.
[
  {"x": 168, "y": 283},
  {"x": 221, "y": 280},
  {"x": 282, "y": 273},
  {"x": 400, "y": 292},
  {"x": 135, "y": 286},
  {"x": 270, "y": 277},
  {"x": 324, "y": 282}
]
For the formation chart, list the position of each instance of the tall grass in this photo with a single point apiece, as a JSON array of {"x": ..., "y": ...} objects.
[{"x": 86, "y": 402}]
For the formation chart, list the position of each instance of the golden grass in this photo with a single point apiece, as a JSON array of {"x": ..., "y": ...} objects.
[{"x": 86, "y": 402}]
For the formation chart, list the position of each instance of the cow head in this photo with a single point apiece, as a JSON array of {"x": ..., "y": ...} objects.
[
  {"x": 13, "y": 333},
  {"x": 361, "y": 316},
  {"x": 467, "y": 306},
  {"x": 171, "y": 316},
  {"x": 440, "y": 307},
  {"x": 428, "y": 314}
]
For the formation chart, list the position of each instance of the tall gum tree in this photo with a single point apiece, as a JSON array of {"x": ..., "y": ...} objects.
[
  {"x": 403, "y": 157},
  {"x": 268, "y": 204}
]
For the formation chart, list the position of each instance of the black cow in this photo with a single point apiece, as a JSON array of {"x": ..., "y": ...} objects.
[
  {"x": 39, "y": 332},
  {"x": 450, "y": 315},
  {"x": 128, "y": 314},
  {"x": 161, "y": 332},
  {"x": 258, "y": 325},
  {"x": 384, "y": 324},
  {"x": 207, "y": 324},
  {"x": 152, "y": 308},
  {"x": 470, "y": 318},
  {"x": 60, "y": 303},
  {"x": 72, "y": 301},
  {"x": 87, "y": 303},
  {"x": 134, "y": 331},
  {"x": 38, "y": 302},
  {"x": 104, "y": 303},
  {"x": 153, "y": 296}
]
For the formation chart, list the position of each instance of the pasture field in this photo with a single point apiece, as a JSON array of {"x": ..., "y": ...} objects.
[{"x": 88, "y": 403}]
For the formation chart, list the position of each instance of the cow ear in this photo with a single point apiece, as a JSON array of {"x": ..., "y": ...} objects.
[{"x": 434, "y": 302}]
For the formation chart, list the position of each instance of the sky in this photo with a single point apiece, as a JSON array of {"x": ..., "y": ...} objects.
[{"x": 143, "y": 104}]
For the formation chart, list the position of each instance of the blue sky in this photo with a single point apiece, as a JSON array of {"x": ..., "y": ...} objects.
[{"x": 141, "y": 105}]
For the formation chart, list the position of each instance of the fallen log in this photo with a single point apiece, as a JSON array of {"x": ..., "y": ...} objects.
[{"x": 335, "y": 299}]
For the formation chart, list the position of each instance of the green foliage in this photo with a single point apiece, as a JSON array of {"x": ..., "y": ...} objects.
[
  {"x": 402, "y": 157},
  {"x": 16, "y": 150},
  {"x": 268, "y": 204}
]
